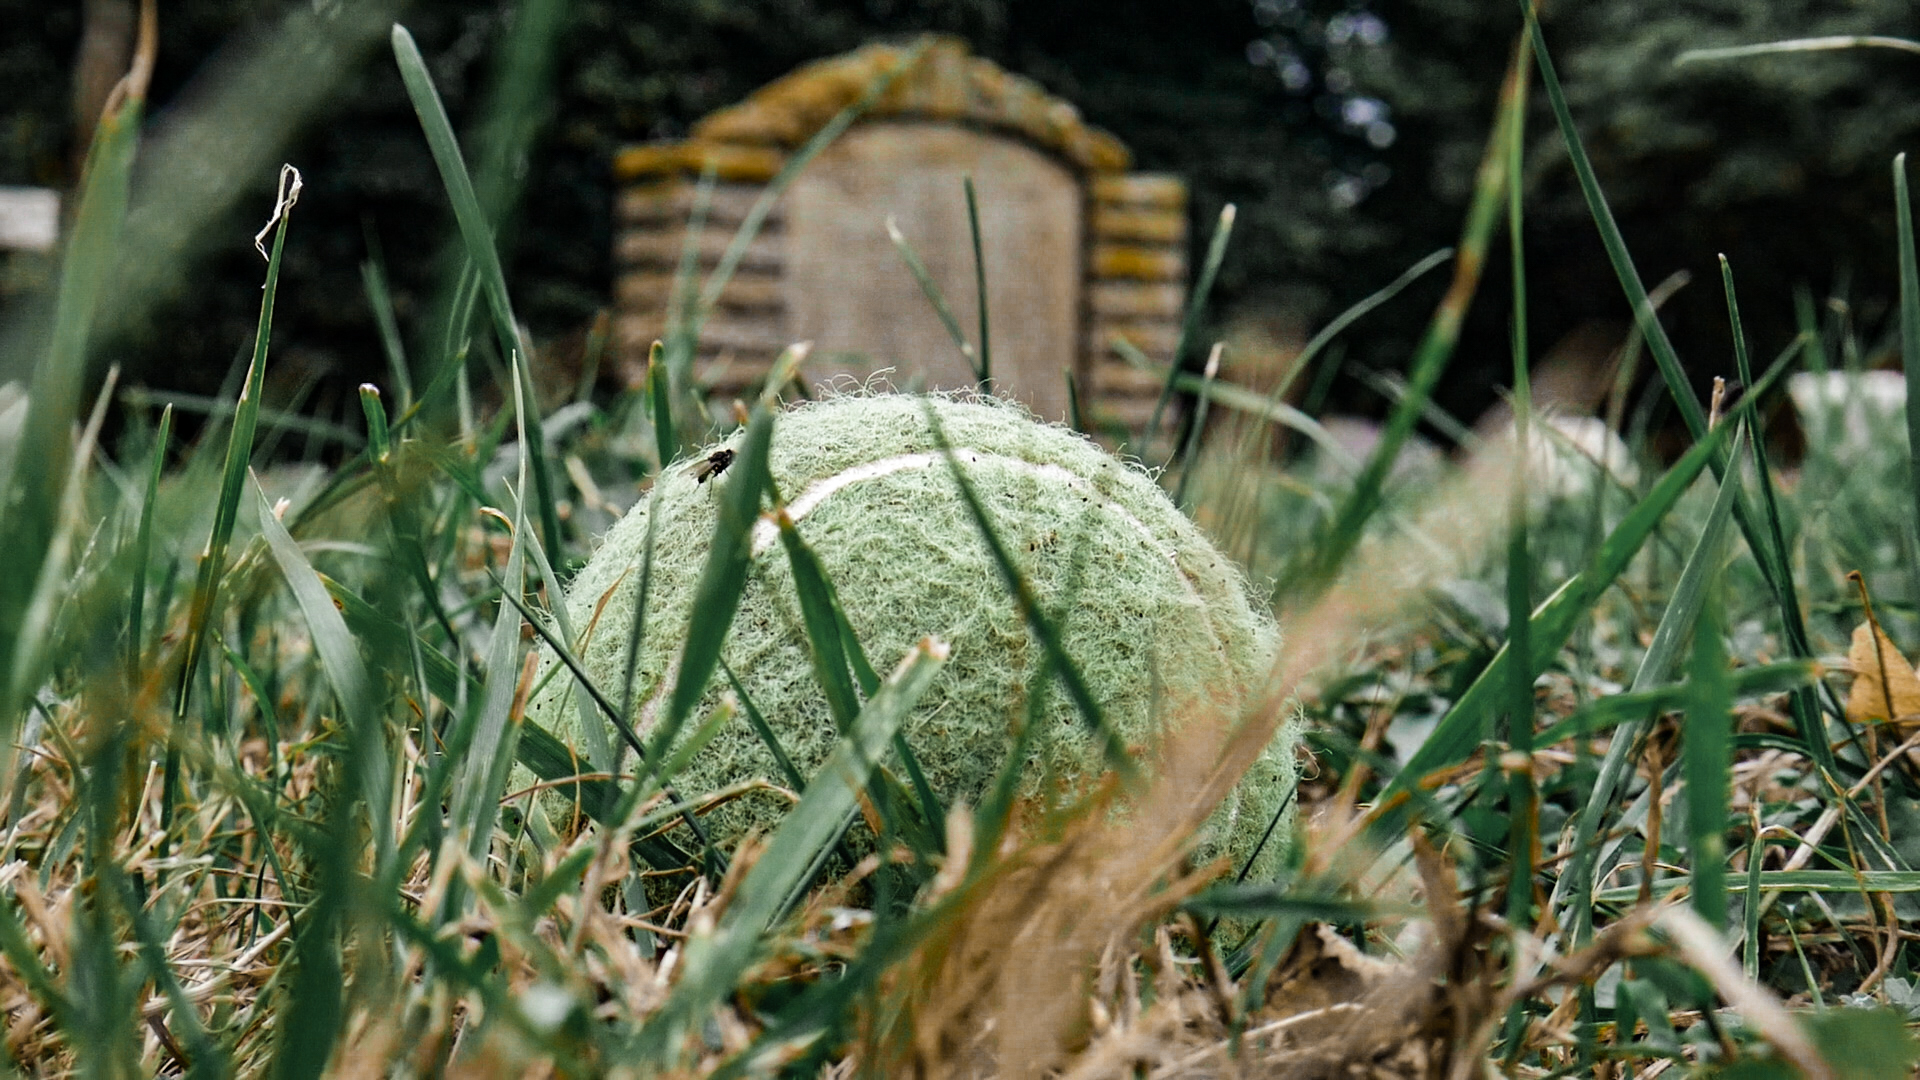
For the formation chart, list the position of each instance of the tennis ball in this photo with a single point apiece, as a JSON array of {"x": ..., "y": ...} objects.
[{"x": 1159, "y": 623}]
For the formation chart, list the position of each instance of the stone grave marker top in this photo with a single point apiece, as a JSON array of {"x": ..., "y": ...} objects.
[{"x": 1078, "y": 250}]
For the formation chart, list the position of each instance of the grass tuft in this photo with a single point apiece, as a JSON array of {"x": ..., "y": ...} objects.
[{"x": 273, "y": 804}]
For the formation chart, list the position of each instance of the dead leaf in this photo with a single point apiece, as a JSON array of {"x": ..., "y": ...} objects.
[{"x": 1867, "y": 701}]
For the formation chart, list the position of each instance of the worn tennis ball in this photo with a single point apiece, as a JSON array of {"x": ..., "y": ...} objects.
[{"x": 1159, "y": 623}]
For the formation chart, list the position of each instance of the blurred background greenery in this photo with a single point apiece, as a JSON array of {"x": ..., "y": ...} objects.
[{"x": 1347, "y": 133}]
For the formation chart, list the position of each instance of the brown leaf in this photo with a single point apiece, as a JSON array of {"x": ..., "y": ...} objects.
[{"x": 1867, "y": 701}]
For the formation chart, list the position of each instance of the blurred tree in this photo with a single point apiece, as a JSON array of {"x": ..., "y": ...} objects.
[
  {"x": 1782, "y": 162},
  {"x": 1347, "y": 132}
]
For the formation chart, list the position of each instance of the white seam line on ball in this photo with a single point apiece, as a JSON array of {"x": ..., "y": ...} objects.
[{"x": 766, "y": 532}]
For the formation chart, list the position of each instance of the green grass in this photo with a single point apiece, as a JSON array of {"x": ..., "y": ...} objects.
[{"x": 258, "y": 815}]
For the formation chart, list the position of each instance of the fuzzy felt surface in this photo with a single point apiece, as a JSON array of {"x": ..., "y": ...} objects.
[{"x": 1158, "y": 621}]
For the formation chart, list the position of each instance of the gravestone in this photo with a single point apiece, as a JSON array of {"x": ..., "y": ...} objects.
[{"x": 1077, "y": 248}]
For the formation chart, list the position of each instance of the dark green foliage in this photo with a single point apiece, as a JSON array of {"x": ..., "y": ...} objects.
[{"x": 1779, "y": 162}]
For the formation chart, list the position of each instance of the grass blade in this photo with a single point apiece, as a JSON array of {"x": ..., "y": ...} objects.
[
  {"x": 1814, "y": 44},
  {"x": 1682, "y": 615},
  {"x": 765, "y": 731},
  {"x": 1769, "y": 500},
  {"x": 1199, "y": 423},
  {"x": 143, "y": 545},
  {"x": 1434, "y": 352},
  {"x": 1809, "y": 326},
  {"x": 599, "y": 750},
  {"x": 479, "y": 787},
  {"x": 722, "y": 581},
  {"x": 403, "y": 514},
  {"x": 592, "y": 353},
  {"x": 1333, "y": 329},
  {"x": 980, "y": 290},
  {"x": 1615, "y": 710},
  {"x": 818, "y": 615},
  {"x": 833, "y": 647},
  {"x": 385, "y": 636},
  {"x": 477, "y": 235},
  {"x": 1113, "y": 747},
  {"x": 274, "y": 421},
  {"x": 1616, "y": 246},
  {"x": 546, "y": 757},
  {"x": 233, "y": 474},
  {"x": 1707, "y": 750},
  {"x": 931, "y": 290},
  {"x": 1812, "y": 881},
  {"x": 373, "y": 280},
  {"x": 378, "y": 444},
  {"x": 263, "y": 697},
  {"x": 1909, "y": 318},
  {"x": 713, "y": 964},
  {"x": 660, "y": 404},
  {"x": 204, "y": 1058},
  {"x": 35, "y": 644},
  {"x": 663, "y": 776},
  {"x": 1522, "y": 844},
  {"x": 346, "y": 672},
  {"x": 1241, "y": 399},
  {"x": 1750, "y": 907},
  {"x": 518, "y": 104},
  {"x": 1774, "y": 563},
  {"x": 30, "y": 489},
  {"x": 637, "y": 632},
  {"x": 25, "y": 959},
  {"x": 1459, "y": 731},
  {"x": 1196, "y": 308},
  {"x": 311, "y": 1019}
]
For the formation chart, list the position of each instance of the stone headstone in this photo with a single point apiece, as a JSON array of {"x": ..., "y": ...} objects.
[
  {"x": 1030, "y": 237},
  {"x": 1077, "y": 249}
]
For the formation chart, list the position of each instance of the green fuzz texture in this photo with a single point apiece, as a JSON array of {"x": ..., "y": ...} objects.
[{"x": 1158, "y": 621}]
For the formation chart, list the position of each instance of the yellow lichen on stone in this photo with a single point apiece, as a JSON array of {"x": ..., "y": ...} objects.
[
  {"x": 1096, "y": 150},
  {"x": 937, "y": 89},
  {"x": 947, "y": 83},
  {"x": 792, "y": 109},
  {"x": 986, "y": 90},
  {"x": 648, "y": 161},
  {"x": 1138, "y": 263},
  {"x": 1024, "y": 109},
  {"x": 729, "y": 161}
]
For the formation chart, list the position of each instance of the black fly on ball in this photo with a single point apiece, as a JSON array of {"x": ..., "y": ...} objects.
[{"x": 715, "y": 464}]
